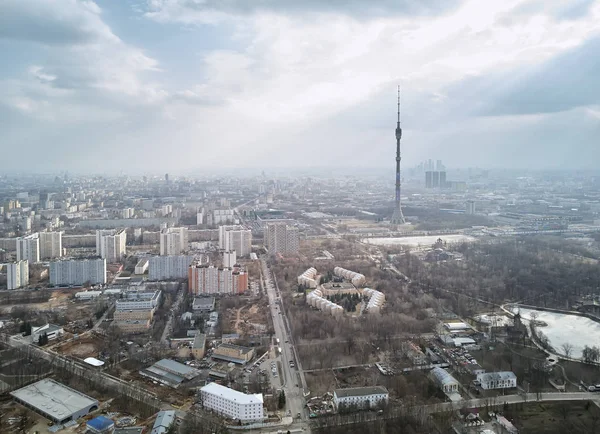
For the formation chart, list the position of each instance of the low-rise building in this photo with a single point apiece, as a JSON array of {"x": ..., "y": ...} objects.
[
  {"x": 497, "y": 380},
  {"x": 233, "y": 353},
  {"x": 360, "y": 397},
  {"x": 203, "y": 304},
  {"x": 132, "y": 326},
  {"x": 444, "y": 380},
  {"x": 170, "y": 372},
  {"x": 232, "y": 404},
  {"x": 100, "y": 425},
  {"x": 52, "y": 331},
  {"x": 87, "y": 295},
  {"x": 164, "y": 420},
  {"x": 55, "y": 401},
  {"x": 142, "y": 266}
]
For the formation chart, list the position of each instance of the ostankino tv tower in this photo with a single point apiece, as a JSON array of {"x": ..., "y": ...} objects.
[{"x": 398, "y": 217}]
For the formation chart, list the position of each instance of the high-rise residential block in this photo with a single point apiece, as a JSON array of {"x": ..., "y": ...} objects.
[
  {"x": 78, "y": 271},
  {"x": 173, "y": 241},
  {"x": 17, "y": 274},
  {"x": 110, "y": 244},
  {"x": 170, "y": 267},
  {"x": 282, "y": 238},
  {"x": 203, "y": 279},
  {"x": 51, "y": 245},
  {"x": 28, "y": 248},
  {"x": 235, "y": 237}
]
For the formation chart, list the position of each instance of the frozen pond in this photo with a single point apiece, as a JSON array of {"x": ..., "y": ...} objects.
[
  {"x": 577, "y": 330},
  {"x": 425, "y": 240}
]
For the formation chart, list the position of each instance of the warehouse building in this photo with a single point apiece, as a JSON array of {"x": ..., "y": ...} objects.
[
  {"x": 55, "y": 401},
  {"x": 170, "y": 372}
]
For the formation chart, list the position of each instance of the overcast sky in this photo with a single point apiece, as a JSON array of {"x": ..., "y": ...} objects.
[{"x": 177, "y": 85}]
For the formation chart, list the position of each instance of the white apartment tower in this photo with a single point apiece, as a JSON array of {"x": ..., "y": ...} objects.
[
  {"x": 78, "y": 272},
  {"x": 173, "y": 241},
  {"x": 229, "y": 259},
  {"x": 51, "y": 245},
  {"x": 28, "y": 248},
  {"x": 281, "y": 238},
  {"x": 17, "y": 274},
  {"x": 110, "y": 244},
  {"x": 235, "y": 237}
]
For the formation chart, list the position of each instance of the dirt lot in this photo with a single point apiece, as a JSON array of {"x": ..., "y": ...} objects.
[
  {"x": 248, "y": 319},
  {"x": 87, "y": 346}
]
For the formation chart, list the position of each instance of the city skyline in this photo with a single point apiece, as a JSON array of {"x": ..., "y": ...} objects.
[{"x": 159, "y": 84}]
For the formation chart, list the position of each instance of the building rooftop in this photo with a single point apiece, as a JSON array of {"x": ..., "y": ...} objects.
[
  {"x": 177, "y": 368},
  {"x": 442, "y": 376},
  {"x": 100, "y": 423},
  {"x": 46, "y": 328},
  {"x": 496, "y": 376},
  {"x": 360, "y": 391},
  {"x": 232, "y": 395},
  {"x": 199, "y": 341},
  {"x": 239, "y": 348},
  {"x": 203, "y": 303},
  {"x": 53, "y": 398},
  {"x": 164, "y": 420},
  {"x": 93, "y": 361}
]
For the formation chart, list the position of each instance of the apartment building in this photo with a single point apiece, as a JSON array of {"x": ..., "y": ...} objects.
[
  {"x": 235, "y": 237},
  {"x": 173, "y": 241},
  {"x": 51, "y": 245},
  {"x": 17, "y": 274},
  {"x": 171, "y": 267},
  {"x": 110, "y": 244},
  {"x": 203, "y": 279},
  {"x": 78, "y": 271},
  {"x": 361, "y": 397},
  {"x": 282, "y": 238},
  {"x": 232, "y": 404},
  {"x": 28, "y": 248}
]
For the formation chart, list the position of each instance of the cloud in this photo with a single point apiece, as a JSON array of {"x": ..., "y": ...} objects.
[
  {"x": 213, "y": 11},
  {"x": 567, "y": 81},
  {"x": 52, "y": 22}
]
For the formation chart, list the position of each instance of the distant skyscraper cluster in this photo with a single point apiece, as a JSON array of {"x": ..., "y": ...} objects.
[{"x": 435, "y": 176}]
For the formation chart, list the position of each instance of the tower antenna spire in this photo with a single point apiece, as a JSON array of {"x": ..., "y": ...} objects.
[{"x": 398, "y": 217}]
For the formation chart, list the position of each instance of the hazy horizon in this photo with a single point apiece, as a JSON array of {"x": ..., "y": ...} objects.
[{"x": 183, "y": 86}]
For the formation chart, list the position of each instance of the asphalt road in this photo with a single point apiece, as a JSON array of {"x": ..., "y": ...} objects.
[{"x": 289, "y": 378}]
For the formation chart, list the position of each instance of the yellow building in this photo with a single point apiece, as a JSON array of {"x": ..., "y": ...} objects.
[{"x": 233, "y": 353}]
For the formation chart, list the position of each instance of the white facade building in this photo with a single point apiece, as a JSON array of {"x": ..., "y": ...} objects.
[
  {"x": 357, "y": 279},
  {"x": 376, "y": 299},
  {"x": 87, "y": 295},
  {"x": 142, "y": 266},
  {"x": 170, "y": 267},
  {"x": 308, "y": 278},
  {"x": 282, "y": 238},
  {"x": 232, "y": 404},
  {"x": 17, "y": 274},
  {"x": 235, "y": 237},
  {"x": 361, "y": 397},
  {"x": 222, "y": 216},
  {"x": 28, "y": 248},
  {"x": 199, "y": 218},
  {"x": 229, "y": 259},
  {"x": 316, "y": 300},
  {"x": 51, "y": 245},
  {"x": 78, "y": 271},
  {"x": 173, "y": 241},
  {"x": 497, "y": 380},
  {"x": 110, "y": 244},
  {"x": 444, "y": 380},
  {"x": 139, "y": 300}
]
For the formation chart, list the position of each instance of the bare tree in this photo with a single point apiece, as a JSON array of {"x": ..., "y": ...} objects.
[{"x": 567, "y": 349}]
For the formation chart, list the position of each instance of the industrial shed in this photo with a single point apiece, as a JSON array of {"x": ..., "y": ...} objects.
[{"x": 55, "y": 401}]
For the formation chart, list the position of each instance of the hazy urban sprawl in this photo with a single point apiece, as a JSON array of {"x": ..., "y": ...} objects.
[{"x": 278, "y": 217}]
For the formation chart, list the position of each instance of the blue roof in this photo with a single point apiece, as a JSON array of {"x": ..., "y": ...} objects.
[{"x": 100, "y": 423}]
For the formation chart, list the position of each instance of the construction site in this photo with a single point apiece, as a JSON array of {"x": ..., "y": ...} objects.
[{"x": 246, "y": 318}]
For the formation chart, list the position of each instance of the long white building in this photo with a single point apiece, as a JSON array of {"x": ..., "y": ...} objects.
[
  {"x": 173, "y": 241},
  {"x": 308, "y": 278},
  {"x": 232, "y": 404},
  {"x": 138, "y": 300},
  {"x": 497, "y": 380},
  {"x": 281, "y": 238},
  {"x": 170, "y": 267},
  {"x": 235, "y": 237},
  {"x": 17, "y": 274},
  {"x": 110, "y": 244},
  {"x": 78, "y": 271},
  {"x": 360, "y": 397},
  {"x": 51, "y": 245},
  {"x": 28, "y": 248}
]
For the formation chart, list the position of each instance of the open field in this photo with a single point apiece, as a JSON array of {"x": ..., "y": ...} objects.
[
  {"x": 555, "y": 418},
  {"x": 247, "y": 318}
]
